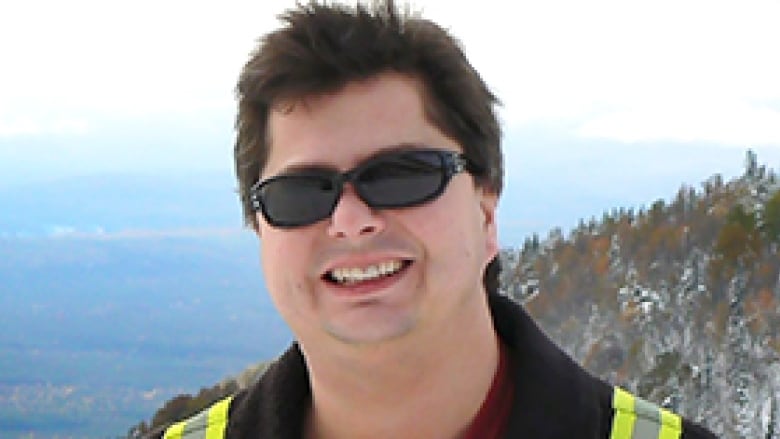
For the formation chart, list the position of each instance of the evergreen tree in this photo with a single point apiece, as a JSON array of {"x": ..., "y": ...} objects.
[{"x": 771, "y": 224}]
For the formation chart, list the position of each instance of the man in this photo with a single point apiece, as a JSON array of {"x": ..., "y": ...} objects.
[{"x": 369, "y": 165}]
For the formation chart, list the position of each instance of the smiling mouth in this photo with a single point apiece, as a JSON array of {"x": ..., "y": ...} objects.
[{"x": 354, "y": 275}]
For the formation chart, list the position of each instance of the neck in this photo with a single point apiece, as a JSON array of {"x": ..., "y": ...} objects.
[{"x": 429, "y": 384}]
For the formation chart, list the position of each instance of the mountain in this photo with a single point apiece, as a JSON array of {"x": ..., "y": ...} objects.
[
  {"x": 115, "y": 202},
  {"x": 678, "y": 301}
]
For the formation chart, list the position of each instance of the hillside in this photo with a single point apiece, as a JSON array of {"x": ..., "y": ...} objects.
[{"x": 678, "y": 302}]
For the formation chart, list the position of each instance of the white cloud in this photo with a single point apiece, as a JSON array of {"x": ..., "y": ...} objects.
[
  {"x": 143, "y": 57},
  {"x": 70, "y": 126},
  {"x": 727, "y": 123},
  {"x": 18, "y": 126},
  {"x": 642, "y": 68},
  {"x": 623, "y": 70},
  {"x": 28, "y": 126}
]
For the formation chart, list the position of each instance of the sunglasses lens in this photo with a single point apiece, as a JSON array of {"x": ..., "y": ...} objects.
[
  {"x": 401, "y": 180},
  {"x": 297, "y": 200}
]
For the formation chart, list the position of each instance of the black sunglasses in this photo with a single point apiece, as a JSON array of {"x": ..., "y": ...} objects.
[{"x": 394, "y": 179}]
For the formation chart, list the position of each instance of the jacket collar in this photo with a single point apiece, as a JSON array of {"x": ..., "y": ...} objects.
[{"x": 554, "y": 397}]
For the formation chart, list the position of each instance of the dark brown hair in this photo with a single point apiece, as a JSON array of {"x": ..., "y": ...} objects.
[{"x": 322, "y": 47}]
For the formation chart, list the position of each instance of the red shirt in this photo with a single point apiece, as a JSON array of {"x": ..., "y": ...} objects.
[{"x": 492, "y": 418}]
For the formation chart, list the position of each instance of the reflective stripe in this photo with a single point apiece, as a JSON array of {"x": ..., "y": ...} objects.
[
  {"x": 208, "y": 424},
  {"x": 218, "y": 415},
  {"x": 648, "y": 420},
  {"x": 175, "y": 431},
  {"x": 636, "y": 418},
  {"x": 671, "y": 425},
  {"x": 624, "y": 417}
]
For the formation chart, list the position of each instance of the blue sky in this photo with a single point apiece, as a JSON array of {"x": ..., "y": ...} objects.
[{"x": 598, "y": 92}]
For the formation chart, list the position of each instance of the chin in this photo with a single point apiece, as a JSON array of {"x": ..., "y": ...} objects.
[{"x": 370, "y": 330}]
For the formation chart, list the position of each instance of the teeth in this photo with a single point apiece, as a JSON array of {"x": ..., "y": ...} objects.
[{"x": 353, "y": 274}]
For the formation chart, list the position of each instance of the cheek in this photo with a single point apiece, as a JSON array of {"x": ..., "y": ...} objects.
[
  {"x": 271, "y": 272},
  {"x": 448, "y": 237},
  {"x": 461, "y": 233},
  {"x": 282, "y": 261},
  {"x": 269, "y": 254}
]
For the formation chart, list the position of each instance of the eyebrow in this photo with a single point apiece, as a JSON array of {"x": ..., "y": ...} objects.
[{"x": 317, "y": 166}]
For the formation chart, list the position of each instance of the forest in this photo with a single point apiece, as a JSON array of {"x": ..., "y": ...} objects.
[{"x": 677, "y": 302}]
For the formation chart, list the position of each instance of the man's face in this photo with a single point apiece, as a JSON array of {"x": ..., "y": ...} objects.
[{"x": 421, "y": 266}]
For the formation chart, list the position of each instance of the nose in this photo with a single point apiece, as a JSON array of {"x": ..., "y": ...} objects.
[{"x": 353, "y": 218}]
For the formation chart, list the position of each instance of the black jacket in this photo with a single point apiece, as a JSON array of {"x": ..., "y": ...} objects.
[{"x": 554, "y": 398}]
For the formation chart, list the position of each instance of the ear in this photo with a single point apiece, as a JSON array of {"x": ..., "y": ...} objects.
[{"x": 488, "y": 204}]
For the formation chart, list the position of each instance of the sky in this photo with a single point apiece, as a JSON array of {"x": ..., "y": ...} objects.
[{"x": 91, "y": 87}]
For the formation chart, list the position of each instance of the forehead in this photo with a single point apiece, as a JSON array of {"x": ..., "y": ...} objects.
[{"x": 343, "y": 127}]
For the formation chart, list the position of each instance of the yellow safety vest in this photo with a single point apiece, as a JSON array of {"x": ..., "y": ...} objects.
[
  {"x": 208, "y": 424},
  {"x": 634, "y": 419}
]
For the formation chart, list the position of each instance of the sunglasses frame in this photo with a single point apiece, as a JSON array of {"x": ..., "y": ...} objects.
[{"x": 451, "y": 163}]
